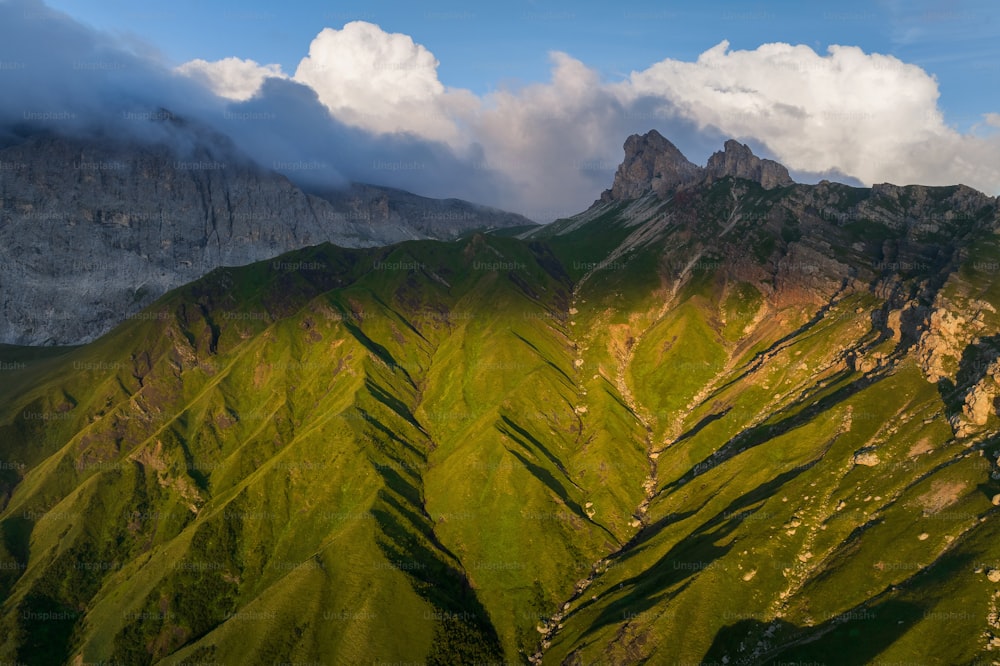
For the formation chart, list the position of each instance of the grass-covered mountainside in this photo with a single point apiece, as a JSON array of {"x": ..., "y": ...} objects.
[{"x": 733, "y": 425}]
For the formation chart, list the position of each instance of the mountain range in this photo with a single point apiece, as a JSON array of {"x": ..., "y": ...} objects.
[
  {"x": 718, "y": 417},
  {"x": 94, "y": 228}
]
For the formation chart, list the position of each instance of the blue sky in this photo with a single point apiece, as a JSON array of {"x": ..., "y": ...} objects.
[{"x": 485, "y": 46}]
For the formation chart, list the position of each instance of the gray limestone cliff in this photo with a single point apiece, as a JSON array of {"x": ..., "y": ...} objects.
[{"x": 92, "y": 230}]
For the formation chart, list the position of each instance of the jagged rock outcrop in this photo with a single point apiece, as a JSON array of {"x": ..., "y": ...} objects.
[
  {"x": 651, "y": 163},
  {"x": 738, "y": 161},
  {"x": 951, "y": 328},
  {"x": 654, "y": 164},
  {"x": 866, "y": 457},
  {"x": 93, "y": 230},
  {"x": 980, "y": 402},
  {"x": 942, "y": 344}
]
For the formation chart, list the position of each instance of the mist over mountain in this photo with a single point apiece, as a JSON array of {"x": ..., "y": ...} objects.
[
  {"x": 67, "y": 78},
  {"x": 540, "y": 150},
  {"x": 718, "y": 417}
]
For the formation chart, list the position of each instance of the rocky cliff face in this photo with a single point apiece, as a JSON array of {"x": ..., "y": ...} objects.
[
  {"x": 653, "y": 164},
  {"x": 92, "y": 231},
  {"x": 738, "y": 161}
]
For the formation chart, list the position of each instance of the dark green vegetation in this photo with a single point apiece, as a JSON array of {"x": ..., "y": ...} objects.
[{"x": 743, "y": 424}]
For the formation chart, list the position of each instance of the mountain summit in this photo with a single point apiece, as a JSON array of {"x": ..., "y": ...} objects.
[
  {"x": 654, "y": 164},
  {"x": 651, "y": 163},
  {"x": 738, "y": 161}
]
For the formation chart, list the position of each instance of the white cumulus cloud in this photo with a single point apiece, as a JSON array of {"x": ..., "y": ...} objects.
[
  {"x": 232, "y": 78},
  {"x": 559, "y": 141},
  {"x": 380, "y": 81},
  {"x": 868, "y": 115}
]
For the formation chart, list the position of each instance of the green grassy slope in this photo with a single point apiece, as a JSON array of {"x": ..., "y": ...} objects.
[{"x": 680, "y": 431}]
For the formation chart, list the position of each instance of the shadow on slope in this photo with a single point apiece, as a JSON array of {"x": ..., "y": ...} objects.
[
  {"x": 850, "y": 638},
  {"x": 689, "y": 557}
]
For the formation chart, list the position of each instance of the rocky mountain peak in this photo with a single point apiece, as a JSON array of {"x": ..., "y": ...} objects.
[
  {"x": 654, "y": 164},
  {"x": 651, "y": 163},
  {"x": 737, "y": 160}
]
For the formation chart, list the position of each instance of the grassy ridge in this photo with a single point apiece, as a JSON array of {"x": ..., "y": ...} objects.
[{"x": 610, "y": 442}]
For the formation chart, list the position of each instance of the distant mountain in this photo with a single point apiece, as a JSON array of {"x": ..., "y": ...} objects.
[
  {"x": 716, "y": 418},
  {"x": 93, "y": 229},
  {"x": 440, "y": 219}
]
